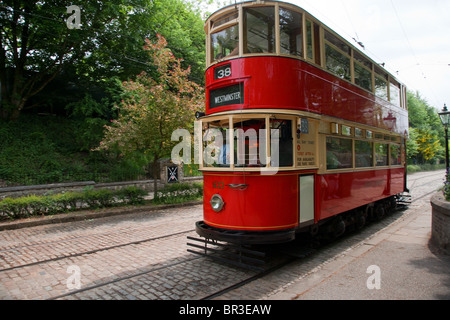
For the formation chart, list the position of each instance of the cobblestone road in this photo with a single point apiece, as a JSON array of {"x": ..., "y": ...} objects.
[{"x": 143, "y": 256}]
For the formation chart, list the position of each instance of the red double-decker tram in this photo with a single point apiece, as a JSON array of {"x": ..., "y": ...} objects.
[{"x": 302, "y": 131}]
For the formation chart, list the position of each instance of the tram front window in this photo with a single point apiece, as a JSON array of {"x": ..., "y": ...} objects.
[
  {"x": 216, "y": 148},
  {"x": 246, "y": 145},
  {"x": 259, "y": 30},
  {"x": 250, "y": 143},
  {"x": 225, "y": 43}
]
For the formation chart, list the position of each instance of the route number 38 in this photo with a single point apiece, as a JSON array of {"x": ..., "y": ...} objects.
[{"x": 223, "y": 72}]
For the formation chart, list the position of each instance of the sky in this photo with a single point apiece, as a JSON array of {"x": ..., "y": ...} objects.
[{"x": 412, "y": 38}]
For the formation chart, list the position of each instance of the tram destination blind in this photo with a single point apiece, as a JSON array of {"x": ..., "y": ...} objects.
[{"x": 226, "y": 96}]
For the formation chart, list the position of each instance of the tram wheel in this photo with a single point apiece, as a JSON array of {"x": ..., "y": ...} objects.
[
  {"x": 379, "y": 211},
  {"x": 360, "y": 220},
  {"x": 338, "y": 227}
]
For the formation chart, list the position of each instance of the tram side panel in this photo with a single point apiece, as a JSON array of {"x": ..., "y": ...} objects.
[
  {"x": 341, "y": 192},
  {"x": 286, "y": 83}
]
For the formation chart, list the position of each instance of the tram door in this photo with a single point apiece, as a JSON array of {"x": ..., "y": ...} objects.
[{"x": 306, "y": 196}]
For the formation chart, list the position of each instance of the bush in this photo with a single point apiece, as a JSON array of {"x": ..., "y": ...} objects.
[
  {"x": 179, "y": 192},
  {"x": 132, "y": 195},
  {"x": 16, "y": 208},
  {"x": 447, "y": 186}
]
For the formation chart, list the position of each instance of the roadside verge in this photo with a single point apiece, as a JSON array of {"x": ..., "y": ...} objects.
[{"x": 89, "y": 214}]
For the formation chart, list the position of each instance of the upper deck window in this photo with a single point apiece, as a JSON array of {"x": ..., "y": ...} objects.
[
  {"x": 363, "y": 71},
  {"x": 381, "y": 90},
  {"x": 291, "y": 32},
  {"x": 225, "y": 43},
  {"x": 224, "y": 19},
  {"x": 337, "y": 55},
  {"x": 259, "y": 30},
  {"x": 309, "y": 40},
  {"x": 394, "y": 93}
]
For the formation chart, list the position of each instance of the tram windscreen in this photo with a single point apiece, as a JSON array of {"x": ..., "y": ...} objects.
[
  {"x": 246, "y": 145},
  {"x": 216, "y": 146},
  {"x": 250, "y": 143}
]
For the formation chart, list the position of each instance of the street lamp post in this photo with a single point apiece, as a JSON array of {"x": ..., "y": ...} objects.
[{"x": 445, "y": 119}]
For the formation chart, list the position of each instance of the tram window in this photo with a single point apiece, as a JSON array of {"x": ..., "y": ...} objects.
[
  {"x": 259, "y": 30},
  {"x": 337, "y": 63},
  {"x": 282, "y": 154},
  {"x": 381, "y": 154},
  {"x": 381, "y": 84},
  {"x": 216, "y": 148},
  {"x": 337, "y": 55},
  {"x": 225, "y": 43},
  {"x": 224, "y": 19},
  {"x": 363, "y": 77},
  {"x": 337, "y": 43},
  {"x": 363, "y": 154},
  {"x": 309, "y": 40},
  {"x": 339, "y": 153},
  {"x": 381, "y": 88},
  {"x": 361, "y": 59},
  {"x": 291, "y": 32},
  {"x": 249, "y": 142},
  {"x": 394, "y": 94},
  {"x": 396, "y": 157}
]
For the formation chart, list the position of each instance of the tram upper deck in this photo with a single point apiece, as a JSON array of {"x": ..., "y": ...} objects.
[{"x": 275, "y": 55}]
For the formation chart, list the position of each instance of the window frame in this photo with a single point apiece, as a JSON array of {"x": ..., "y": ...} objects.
[
  {"x": 374, "y": 137},
  {"x": 234, "y": 118}
]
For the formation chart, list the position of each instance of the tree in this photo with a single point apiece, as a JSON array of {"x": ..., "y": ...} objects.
[
  {"x": 153, "y": 108},
  {"x": 426, "y": 132},
  {"x": 37, "y": 44}
]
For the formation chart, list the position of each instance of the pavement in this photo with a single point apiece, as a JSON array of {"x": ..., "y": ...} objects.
[{"x": 397, "y": 263}]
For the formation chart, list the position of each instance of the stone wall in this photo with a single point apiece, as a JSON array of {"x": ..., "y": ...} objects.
[
  {"x": 440, "y": 225},
  {"x": 54, "y": 188}
]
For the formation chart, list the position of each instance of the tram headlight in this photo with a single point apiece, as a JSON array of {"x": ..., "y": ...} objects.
[{"x": 217, "y": 203}]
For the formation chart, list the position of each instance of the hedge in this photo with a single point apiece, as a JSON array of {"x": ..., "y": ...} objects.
[
  {"x": 179, "y": 192},
  {"x": 23, "y": 207}
]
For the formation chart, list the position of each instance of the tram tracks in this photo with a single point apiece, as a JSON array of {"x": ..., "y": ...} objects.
[
  {"x": 89, "y": 251},
  {"x": 124, "y": 278},
  {"x": 428, "y": 175}
]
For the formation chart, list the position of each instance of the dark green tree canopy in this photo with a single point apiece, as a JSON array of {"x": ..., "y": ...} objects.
[{"x": 44, "y": 40}]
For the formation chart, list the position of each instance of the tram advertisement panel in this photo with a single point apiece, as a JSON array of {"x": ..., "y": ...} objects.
[{"x": 306, "y": 143}]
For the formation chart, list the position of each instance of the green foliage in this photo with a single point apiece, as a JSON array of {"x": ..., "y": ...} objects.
[
  {"x": 426, "y": 140},
  {"x": 32, "y": 205},
  {"x": 412, "y": 168},
  {"x": 178, "y": 193},
  {"x": 39, "y": 150},
  {"x": 153, "y": 107},
  {"x": 132, "y": 195},
  {"x": 39, "y": 47},
  {"x": 447, "y": 186}
]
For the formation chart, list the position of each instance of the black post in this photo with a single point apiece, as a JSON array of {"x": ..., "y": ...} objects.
[{"x": 446, "y": 147}]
